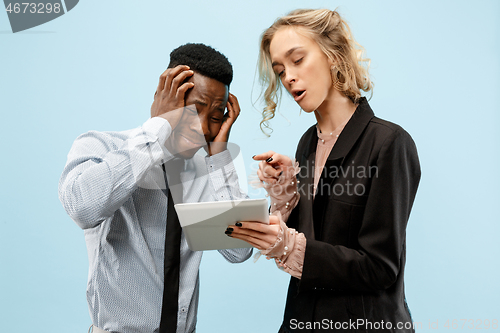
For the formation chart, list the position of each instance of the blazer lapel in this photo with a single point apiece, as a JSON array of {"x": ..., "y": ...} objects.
[
  {"x": 312, "y": 210},
  {"x": 306, "y": 178},
  {"x": 352, "y": 130}
]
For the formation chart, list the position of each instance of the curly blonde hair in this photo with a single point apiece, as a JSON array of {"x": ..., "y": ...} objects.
[{"x": 334, "y": 37}]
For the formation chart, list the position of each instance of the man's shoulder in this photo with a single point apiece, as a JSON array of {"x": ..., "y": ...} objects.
[
  {"x": 98, "y": 142},
  {"x": 109, "y": 137}
]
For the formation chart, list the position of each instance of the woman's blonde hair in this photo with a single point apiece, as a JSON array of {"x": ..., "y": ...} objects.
[{"x": 333, "y": 35}]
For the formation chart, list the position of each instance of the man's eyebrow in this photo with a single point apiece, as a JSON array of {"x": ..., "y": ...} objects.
[
  {"x": 286, "y": 54},
  {"x": 198, "y": 101}
]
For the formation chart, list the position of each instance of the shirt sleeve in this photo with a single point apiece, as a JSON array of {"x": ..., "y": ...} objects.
[
  {"x": 224, "y": 180},
  {"x": 104, "y": 168},
  {"x": 223, "y": 177}
]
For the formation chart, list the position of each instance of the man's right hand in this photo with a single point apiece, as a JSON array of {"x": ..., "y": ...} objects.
[{"x": 169, "y": 100}]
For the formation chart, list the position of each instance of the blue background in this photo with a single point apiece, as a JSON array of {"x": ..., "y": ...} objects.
[{"x": 436, "y": 68}]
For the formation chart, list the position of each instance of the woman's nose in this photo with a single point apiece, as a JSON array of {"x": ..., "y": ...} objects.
[{"x": 290, "y": 77}]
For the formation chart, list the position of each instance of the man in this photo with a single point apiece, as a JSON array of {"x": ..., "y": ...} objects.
[{"x": 143, "y": 277}]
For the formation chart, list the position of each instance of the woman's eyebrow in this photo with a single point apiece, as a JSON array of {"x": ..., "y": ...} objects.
[{"x": 286, "y": 55}]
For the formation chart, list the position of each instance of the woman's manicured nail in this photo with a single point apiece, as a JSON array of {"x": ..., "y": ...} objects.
[
  {"x": 238, "y": 224},
  {"x": 227, "y": 232},
  {"x": 254, "y": 156},
  {"x": 230, "y": 229},
  {"x": 269, "y": 159}
]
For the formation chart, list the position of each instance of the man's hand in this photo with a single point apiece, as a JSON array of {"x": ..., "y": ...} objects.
[
  {"x": 169, "y": 100},
  {"x": 233, "y": 111}
]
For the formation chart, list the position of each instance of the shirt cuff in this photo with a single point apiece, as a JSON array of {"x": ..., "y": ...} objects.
[
  {"x": 220, "y": 160},
  {"x": 284, "y": 193},
  {"x": 223, "y": 176},
  {"x": 158, "y": 127}
]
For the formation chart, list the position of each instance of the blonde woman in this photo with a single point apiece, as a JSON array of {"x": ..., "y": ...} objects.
[{"x": 339, "y": 215}]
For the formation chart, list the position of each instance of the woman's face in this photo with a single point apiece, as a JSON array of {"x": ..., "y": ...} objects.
[{"x": 302, "y": 67}]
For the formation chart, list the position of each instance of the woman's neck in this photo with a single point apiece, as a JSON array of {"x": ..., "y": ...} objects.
[{"x": 334, "y": 111}]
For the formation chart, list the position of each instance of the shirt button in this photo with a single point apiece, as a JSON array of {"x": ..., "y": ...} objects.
[{"x": 183, "y": 310}]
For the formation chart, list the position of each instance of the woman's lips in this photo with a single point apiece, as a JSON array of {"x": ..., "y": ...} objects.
[{"x": 297, "y": 96}]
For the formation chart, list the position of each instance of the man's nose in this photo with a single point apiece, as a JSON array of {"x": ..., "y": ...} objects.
[{"x": 200, "y": 125}]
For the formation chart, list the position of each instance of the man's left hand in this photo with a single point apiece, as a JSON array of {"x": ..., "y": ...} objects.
[{"x": 233, "y": 111}]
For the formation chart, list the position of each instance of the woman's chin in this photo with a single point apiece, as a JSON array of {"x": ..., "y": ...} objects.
[{"x": 307, "y": 108}]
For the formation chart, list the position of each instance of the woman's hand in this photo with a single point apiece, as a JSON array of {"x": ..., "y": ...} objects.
[
  {"x": 259, "y": 235},
  {"x": 272, "y": 166}
]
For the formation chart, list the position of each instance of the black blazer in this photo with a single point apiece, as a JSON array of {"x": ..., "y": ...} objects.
[{"x": 355, "y": 229}]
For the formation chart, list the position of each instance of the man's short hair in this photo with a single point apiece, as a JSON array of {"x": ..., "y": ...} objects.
[{"x": 204, "y": 60}]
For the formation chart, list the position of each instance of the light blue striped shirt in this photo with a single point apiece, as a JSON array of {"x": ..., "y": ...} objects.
[{"x": 111, "y": 187}]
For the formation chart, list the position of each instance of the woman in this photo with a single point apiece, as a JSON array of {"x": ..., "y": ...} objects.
[{"x": 347, "y": 204}]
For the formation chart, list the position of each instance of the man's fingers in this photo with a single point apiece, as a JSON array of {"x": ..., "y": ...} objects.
[
  {"x": 161, "y": 84},
  {"x": 178, "y": 80},
  {"x": 234, "y": 104},
  {"x": 233, "y": 111},
  {"x": 171, "y": 73},
  {"x": 181, "y": 91}
]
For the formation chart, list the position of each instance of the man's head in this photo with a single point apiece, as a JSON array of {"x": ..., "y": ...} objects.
[
  {"x": 205, "y": 102},
  {"x": 203, "y": 60}
]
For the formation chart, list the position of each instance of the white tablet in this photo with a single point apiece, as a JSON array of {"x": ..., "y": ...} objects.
[{"x": 204, "y": 223}]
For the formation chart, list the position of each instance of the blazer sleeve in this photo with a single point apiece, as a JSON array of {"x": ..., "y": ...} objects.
[{"x": 376, "y": 264}]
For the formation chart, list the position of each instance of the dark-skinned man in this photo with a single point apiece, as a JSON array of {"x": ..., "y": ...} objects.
[{"x": 120, "y": 188}]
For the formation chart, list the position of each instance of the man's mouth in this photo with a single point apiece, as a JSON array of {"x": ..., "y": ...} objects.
[{"x": 193, "y": 142}]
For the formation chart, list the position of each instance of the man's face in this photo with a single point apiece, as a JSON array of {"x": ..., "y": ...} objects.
[{"x": 202, "y": 118}]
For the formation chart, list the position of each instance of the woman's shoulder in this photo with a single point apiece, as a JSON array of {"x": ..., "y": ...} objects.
[
  {"x": 388, "y": 136},
  {"x": 385, "y": 129}
]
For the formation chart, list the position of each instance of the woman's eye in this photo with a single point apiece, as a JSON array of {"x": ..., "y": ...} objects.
[
  {"x": 298, "y": 60},
  {"x": 281, "y": 73},
  {"x": 216, "y": 120}
]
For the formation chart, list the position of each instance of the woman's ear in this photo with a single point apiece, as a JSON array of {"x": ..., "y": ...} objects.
[{"x": 332, "y": 62}]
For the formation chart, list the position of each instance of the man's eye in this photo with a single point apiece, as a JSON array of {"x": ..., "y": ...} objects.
[{"x": 215, "y": 119}]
